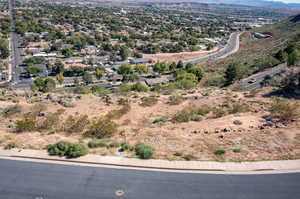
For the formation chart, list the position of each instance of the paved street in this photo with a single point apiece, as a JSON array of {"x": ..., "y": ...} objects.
[
  {"x": 28, "y": 180},
  {"x": 231, "y": 46},
  {"x": 16, "y": 55},
  {"x": 260, "y": 77}
]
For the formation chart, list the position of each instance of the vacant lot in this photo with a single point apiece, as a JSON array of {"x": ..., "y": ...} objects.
[{"x": 203, "y": 124}]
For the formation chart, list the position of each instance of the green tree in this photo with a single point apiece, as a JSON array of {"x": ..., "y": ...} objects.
[
  {"x": 99, "y": 73},
  {"x": 180, "y": 64},
  {"x": 87, "y": 78},
  {"x": 58, "y": 66},
  {"x": 45, "y": 84},
  {"x": 33, "y": 70},
  {"x": 124, "y": 52},
  {"x": 125, "y": 69},
  {"x": 141, "y": 68},
  {"x": 68, "y": 52},
  {"x": 197, "y": 71}
]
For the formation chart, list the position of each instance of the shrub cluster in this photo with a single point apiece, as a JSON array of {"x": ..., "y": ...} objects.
[
  {"x": 117, "y": 114},
  {"x": 67, "y": 149},
  {"x": 175, "y": 100},
  {"x": 144, "y": 151},
  {"x": 191, "y": 114},
  {"x": 284, "y": 109},
  {"x": 102, "y": 128},
  {"x": 12, "y": 110}
]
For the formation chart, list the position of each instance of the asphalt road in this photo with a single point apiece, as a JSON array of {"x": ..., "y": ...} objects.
[
  {"x": 230, "y": 47},
  {"x": 28, "y": 180},
  {"x": 17, "y": 59},
  {"x": 260, "y": 77}
]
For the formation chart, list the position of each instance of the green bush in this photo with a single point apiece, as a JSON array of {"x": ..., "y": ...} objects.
[
  {"x": 27, "y": 124},
  {"x": 77, "y": 150},
  {"x": 67, "y": 149},
  {"x": 191, "y": 114},
  {"x": 219, "y": 112},
  {"x": 144, "y": 151},
  {"x": 10, "y": 145},
  {"x": 97, "y": 143},
  {"x": 236, "y": 150},
  {"x": 219, "y": 152},
  {"x": 127, "y": 147},
  {"x": 161, "y": 120},
  {"x": 102, "y": 128}
]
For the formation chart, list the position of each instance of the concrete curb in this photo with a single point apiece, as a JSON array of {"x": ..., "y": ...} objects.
[{"x": 265, "y": 167}]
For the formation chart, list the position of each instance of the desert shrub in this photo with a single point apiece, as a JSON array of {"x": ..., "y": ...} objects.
[
  {"x": 60, "y": 148},
  {"x": 117, "y": 114},
  {"x": 76, "y": 124},
  {"x": 77, "y": 150},
  {"x": 102, "y": 128},
  {"x": 10, "y": 145},
  {"x": 175, "y": 100},
  {"x": 191, "y": 114},
  {"x": 189, "y": 157},
  {"x": 99, "y": 91},
  {"x": 81, "y": 90},
  {"x": 127, "y": 147},
  {"x": 284, "y": 109},
  {"x": 219, "y": 152},
  {"x": 178, "y": 154},
  {"x": 149, "y": 101},
  {"x": 237, "y": 150},
  {"x": 219, "y": 112},
  {"x": 51, "y": 121},
  {"x": 97, "y": 143},
  {"x": 238, "y": 108},
  {"x": 237, "y": 122},
  {"x": 144, "y": 151},
  {"x": 27, "y": 124},
  {"x": 161, "y": 120},
  {"x": 67, "y": 149},
  {"x": 12, "y": 110},
  {"x": 139, "y": 87},
  {"x": 114, "y": 144}
]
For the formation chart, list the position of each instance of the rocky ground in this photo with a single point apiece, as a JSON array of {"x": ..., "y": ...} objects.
[{"x": 245, "y": 134}]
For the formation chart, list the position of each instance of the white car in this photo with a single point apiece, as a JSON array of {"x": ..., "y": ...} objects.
[{"x": 252, "y": 80}]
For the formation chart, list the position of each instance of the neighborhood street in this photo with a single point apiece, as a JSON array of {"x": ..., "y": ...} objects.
[{"x": 29, "y": 180}]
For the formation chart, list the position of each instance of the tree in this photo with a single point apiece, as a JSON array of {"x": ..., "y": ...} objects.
[
  {"x": 33, "y": 70},
  {"x": 197, "y": 71},
  {"x": 99, "y": 73},
  {"x": 58, "y": 66},
  {"x": 188, "y": 66},
  {"x": 4, "y": 50},
  {"x": 180, "y": 64},
  {"x": 60, "y": 78},
  {"x": 125, "y": 69},
  {"x": 87, "y": 78},
  {"x": 124, "y": 52},
  {"x": 45, "y": 84},
  {"x": 68, "y": 52},
  {"x": 141, "y": 68},
  {"x": 235, "y": 72}
]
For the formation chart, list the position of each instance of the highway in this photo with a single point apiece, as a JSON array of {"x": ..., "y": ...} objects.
[
  {"x": 231, "y": 47},
  {"x": 29, "y": 180}
]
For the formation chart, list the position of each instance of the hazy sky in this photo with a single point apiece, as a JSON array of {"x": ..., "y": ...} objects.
[{"x": 289, "y": 1}]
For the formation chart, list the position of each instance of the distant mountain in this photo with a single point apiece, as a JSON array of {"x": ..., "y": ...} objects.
[{"x": 257, "y": 3}]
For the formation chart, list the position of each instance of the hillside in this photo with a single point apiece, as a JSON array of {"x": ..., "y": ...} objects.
[{"x": 256, "y": 53}]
